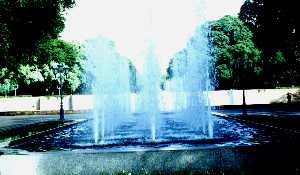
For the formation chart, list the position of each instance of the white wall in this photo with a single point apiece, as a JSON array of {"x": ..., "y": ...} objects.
[
  {"x": 86, "y": 102},
  {"x": 255, "y": 96},
  {"x": 19, "y": 104},
  {"x": 46, "y": 103}
]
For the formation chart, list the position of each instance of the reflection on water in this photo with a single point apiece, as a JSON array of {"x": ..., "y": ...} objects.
[{"x": 174, "y": 134}]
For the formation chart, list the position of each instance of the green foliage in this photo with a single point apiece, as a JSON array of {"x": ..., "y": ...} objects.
[
  {"x": 279, "y": 58},
  {"x": 38, "y": 77},
  {"x": 28, "y": 46},
  {"x": 235, "y": 56},
  {"x": 275, "y": 25},
  {"x": 74, "y": 77},
  {"x": 25, "y": 23},
  {"x": 280, "y": 76},
  {"x": 58, "y": 51},
  {"x": 30, "y": 74},
  {"x": 7, "y": 82},
  {"x": 5, "y": 44},
  {"x": 177, "y": 65},
  {"x": 224, "y": 72}
]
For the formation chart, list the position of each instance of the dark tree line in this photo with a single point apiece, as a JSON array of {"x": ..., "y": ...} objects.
[{"x": 275, "y": 27}]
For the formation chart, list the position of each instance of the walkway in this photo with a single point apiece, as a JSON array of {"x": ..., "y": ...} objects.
[{"x": 19, "y": 121}]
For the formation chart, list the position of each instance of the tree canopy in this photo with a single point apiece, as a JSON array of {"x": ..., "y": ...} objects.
[
  {"x": 38, "y": 77},
  {"x": 275, "y": 25},
  {"x": 29, "y": 46},
  {"x": 235, "y": 56},
  {"x": 25, "y": 23}
]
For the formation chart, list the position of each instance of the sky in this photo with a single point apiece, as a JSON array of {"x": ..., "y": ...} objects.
[{"x": 132, "y": 23}]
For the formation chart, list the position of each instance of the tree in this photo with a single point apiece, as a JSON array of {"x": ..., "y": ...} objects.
[
  {"x": 177, "y": 65},
  {"x": 39, "y": 78},
  {"x": 7, "y": 82},
  {"x": 5, "y": 45},
  {"x": 275, "y": 25},
  {"x": 24, "y": 24},
  {"x": 284, "y": 75},
  {"x": 29, "y": 22},
  {"x": 30, "y": 74},
  {"x": 235, "y": 56}
]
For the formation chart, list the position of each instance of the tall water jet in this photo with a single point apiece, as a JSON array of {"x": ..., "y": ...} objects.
[
  {"x": 110, "y": 87},
  {"x": 112, "y": 94},
  {"x": 150, "y": 91},
  {"x": 190, "y": 69}
]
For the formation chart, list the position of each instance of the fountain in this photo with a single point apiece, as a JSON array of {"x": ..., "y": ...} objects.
[
  {"x": 191, "y": 82},
  {"x": 143, "y": 136},
  {"x": 112, "y": 93},
  {"x": 120, "y": 122},
  {"x": 111, "y": 87},
  {"x": 189, "y": 118},
  {"x": 149, "y": 97}
]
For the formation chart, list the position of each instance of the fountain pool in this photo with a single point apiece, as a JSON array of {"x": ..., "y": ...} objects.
[{"x": 174, "y": 135}]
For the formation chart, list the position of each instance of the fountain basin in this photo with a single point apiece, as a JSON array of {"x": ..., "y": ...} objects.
[
  {"x": 246, "y": 159},
  {"x": 174, "y": 134},
  {"x": 235, "y": 149}
]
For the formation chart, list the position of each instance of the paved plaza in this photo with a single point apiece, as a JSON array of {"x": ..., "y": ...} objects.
[
  {"x": 23, "y": 120},
  {"x": 10, "y": 122}
]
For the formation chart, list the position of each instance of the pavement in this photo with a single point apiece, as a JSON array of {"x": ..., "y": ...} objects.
[
  {"x": 22, "y": 120},
  {"x": 20, "y": 127}
]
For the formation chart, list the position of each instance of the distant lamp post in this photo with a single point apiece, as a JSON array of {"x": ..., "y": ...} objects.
[
  {"x": 16, "y": 87},
  {"x": 61, "y": 69},
  {"x": 58, "y": 88}
]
